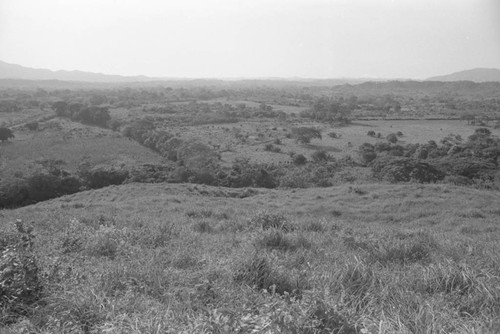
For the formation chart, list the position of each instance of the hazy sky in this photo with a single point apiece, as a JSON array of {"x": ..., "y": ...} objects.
[{"x": 253, "y": 38}]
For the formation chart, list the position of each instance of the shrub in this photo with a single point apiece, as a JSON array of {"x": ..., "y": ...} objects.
[
  {"x": 299, "y": 159},
  {"x": 5, "y": 134},
  {"x": 304, "y": 135},
  {"x": 367, "y": 156},
  {"x": 405, "y": 169},
  {"x": 101, "y": 176},
  {"x": 458, "y": 180},
  {"x": 271, "y": 148},
  {"x": 320, "y": 156},
  {"x": 114, "y": 124},
  {"x": 333, "y": 135},
  {"x": 397, "y": 151},
  {"x": 367, "y": 153},
  {"x": 382, "y": 146},
  {"x": 32, "y": 126},
  {"x": 20, "y": 286},
  {"x": 399, "y": 134},
  {"x": 392, "y": 138},
  {"x": 371, "y": 133},
  {"x": 103, "y": 245}
]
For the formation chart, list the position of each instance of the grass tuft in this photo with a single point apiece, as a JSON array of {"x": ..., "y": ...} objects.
[
  {"x": 266, "y": 220},
  {"x": 202, "y": 226},
  {"x": 258, "y": 272},
  {"x": 276, "y": 239}
]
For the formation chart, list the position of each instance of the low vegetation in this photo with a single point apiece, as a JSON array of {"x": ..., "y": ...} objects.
[
  {"x": 93, "y": 264},
  {"x": 243, "y": 208}
]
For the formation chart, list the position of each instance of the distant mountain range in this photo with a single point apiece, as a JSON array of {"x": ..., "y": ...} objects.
[
  {"x": 18, "y": 72},
  {"x": 476, "y": 75},
  {"x": 13, "y": 71}
]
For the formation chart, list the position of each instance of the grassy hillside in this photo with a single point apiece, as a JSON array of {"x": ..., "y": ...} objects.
[
  {"x": 69, "y": 143},
  {"x": 164, "y": 258}
]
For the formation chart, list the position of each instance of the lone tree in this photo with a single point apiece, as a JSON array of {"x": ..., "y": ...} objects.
[
  {"x": 5, "y": 134},
  {"x": 304, "y": 135}
]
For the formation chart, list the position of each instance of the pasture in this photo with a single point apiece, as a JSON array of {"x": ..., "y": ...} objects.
[
  {"x": 331, "y": 247},
  {"x": 71, "y": 143},
  {"x": 162, "y": 258}
]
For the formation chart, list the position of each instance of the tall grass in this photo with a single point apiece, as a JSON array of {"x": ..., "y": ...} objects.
[{"x": 237, "y": 267}]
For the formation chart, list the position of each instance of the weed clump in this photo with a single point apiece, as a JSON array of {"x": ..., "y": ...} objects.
[
  {"x": 276, "y": 239},
  {"x": 401, "y": 249},
  {"x": 266, "y": 220},
  {"x": 202, "y": 226},
  {"x": 258, "y": 272},
  {"x": 314, "y": 226}
]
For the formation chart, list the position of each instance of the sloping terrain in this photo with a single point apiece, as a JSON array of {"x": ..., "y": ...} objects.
[
  {"x": 476, "y": 75},
  {"x": 179, "y": 258}
]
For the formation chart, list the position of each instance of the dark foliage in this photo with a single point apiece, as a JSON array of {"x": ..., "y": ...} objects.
[
  {"x": 5, "y": 134},
  {"x": 304, "y": 135},
  {"x": 399, "y": 169}
]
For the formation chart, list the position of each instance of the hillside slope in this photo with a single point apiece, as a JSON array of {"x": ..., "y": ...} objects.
[
  {"x": 183, "y": 258},
  {"x": 476, "y": 75}
]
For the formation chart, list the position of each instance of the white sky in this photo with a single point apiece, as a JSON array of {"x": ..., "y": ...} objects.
[{"x": 253, "y": 38}]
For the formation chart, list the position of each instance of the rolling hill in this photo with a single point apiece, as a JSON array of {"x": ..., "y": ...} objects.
[{"x": 476, "y": 75}]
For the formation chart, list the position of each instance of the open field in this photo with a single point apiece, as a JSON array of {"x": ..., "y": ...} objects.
[
  {"x": 196, "y": 259},
  {"x": 181, "y": 210},
  {"x": 72, "y": 143}
]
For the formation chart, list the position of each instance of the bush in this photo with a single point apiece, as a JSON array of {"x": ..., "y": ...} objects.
[
  {"x": 304, "y": 135},
  {"x": 5, "y": 134},
  {"x": 320, "y": 156},
  {"x": 101, "y": 176},
  {"x": 20, "y": 286},
  {"x": 405, "y": 169},
  {"x": 397, "y": 151},
  {"x": 299, "y": 159},
  {"x": 382, "y": 147},
  {"x": 367, "y": 153},
  {"x": 32, "y": 126},
  {"x": 37, "y": 187},
  {"x": 271, "y": 148},
  {"x": 392, "y": 138},
  {"x": 371, "y": 133}
]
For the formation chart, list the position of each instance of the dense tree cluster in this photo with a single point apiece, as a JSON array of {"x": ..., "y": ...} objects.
[
  {"x": 304, "y": 134},
  {"x": 476, "y": 159},
  {"x": 87, "y": 114},
  {"x": 331, "y": 110}
]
